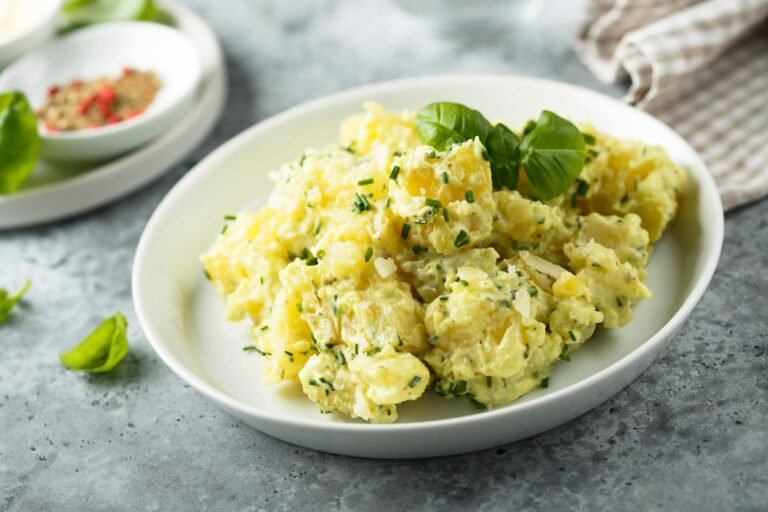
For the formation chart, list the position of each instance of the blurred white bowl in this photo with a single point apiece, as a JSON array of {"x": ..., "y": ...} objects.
[
  {"x": 40, "y": 27},
  {"x": 103, "y": 50}
]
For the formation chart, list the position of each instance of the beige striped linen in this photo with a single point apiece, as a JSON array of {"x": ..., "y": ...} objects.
[{"x": 701, "y": 66}]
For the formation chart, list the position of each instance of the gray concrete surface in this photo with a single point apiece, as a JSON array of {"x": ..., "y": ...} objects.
[{"x": 690, "y": 434}]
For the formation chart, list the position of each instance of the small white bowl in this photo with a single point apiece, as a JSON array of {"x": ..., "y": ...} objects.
[
  {"x": 101, "y": 51},
  {"x": 39, "y": 29}
]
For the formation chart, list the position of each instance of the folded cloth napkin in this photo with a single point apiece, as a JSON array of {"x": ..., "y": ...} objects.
[{"x": 701, "y": 66}]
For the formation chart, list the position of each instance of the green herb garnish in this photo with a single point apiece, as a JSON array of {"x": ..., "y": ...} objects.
[
  {"x": 395, "y": 171},
  {"x": 470, "y": 196},
  {"x": 19, "y": 141},
  {"x": 102, "y": 350},
  {"x": 368, "y": 254},
  {"x": 533, "y": 291},
  {"x": 8, "y": 302},
  {"x": 551, "y": 152},
  {"x": 461, "y": 239},
  {"x": 361, "y": 203},
  {"x": 366, "y": 181},
  {"x": 405, "y": 230},
  {"x": 254, "y": 348},
  {"x": 417, "y": 249},
  {"x": 564, "y": 355},
  {"x": 414, "y": 381},
  {"x": 433, "y": 203}
]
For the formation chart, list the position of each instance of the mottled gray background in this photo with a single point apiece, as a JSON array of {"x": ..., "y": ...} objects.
[{"x": 690, "y": 434}]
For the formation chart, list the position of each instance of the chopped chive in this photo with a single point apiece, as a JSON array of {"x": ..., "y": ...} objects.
[
  {"x": 593, "y": 153},
  {"x": 224, "y": 228},
  {"x": 340, "y": 357},
  {"x": 414, "y": 381},
  {"x": 366, "y": 181},
  {"x": 254, "y": 348},
  {"x": 445, "y": 215},
  {"x": 312, "y": 382},
  {"x": 470, "y": 196},
  {"x": 405, "y": 230},
  {"x": 464, "y": 282},
  {"x": 461, "y": 239},
  {"x": 288, "y": 353},
  {"x": 545, "y": 382},
  {"x": 318, "y": 226},
  {"x": 571, "y": 335},
  {"x": 207, "y": 274},
  {"x": 433, "y": 339},
  {"x": 395, "y": 171},
  {"x": 589, "y": 139},
  {"x": 264, "y": 328},
  {"x": 461, "y": 387},
  {"x": 533, "y": 291},
  {"x": 417, "y": 249},
  {"x": 368, "y": 254},
  {"x": 361, "y": 203},
  {"x": 444, "y": 177},
  {"x": 488, "y": 381},
  {"x": 443, "y": 298},
  {"x": 434, "y": 203},
  {"x": 299, "y": 307},
  {"x": 230, "y": 217},
  {"x": 564, "y": 355}
]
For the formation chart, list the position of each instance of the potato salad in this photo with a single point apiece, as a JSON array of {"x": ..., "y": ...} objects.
[{"x": 432, "y": 251}]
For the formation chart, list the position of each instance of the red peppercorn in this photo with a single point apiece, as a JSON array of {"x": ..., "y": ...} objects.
[
  {"x": 52, "y": 90},
  {"x": 107, "y": 94}
]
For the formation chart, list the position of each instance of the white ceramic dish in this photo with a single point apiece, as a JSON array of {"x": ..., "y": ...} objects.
[
  {"x": 41, "y": 27},
  {"x": 103, "y": 50},
  {"x": 55, "y": 192},
  {"x": 184, "y": 319}
]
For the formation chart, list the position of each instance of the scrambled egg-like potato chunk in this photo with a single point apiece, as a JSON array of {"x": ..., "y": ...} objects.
[{"x": 380, "y": 268}]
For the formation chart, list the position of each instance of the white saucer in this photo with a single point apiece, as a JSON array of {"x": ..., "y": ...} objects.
[{"x": 53, "y": 193}]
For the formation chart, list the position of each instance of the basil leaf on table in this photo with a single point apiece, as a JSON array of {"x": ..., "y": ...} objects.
[
  {"x": 444, "y": 124},
  {"x": 503, "y": 149},
  {"x": 8, "y": 302},
  {"x": 102, "y": 350},
  {"x": 19, "y": 141},
  {"x": 552, "y": 155}
]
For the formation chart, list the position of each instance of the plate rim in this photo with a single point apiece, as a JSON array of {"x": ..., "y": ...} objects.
[
  {"x": 210, "y": 93},
  {"x": 220, "y": 398}
]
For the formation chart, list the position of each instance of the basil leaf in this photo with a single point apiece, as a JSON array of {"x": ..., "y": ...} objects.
[
  {"x": 19, "y": 141},
  {"x": 79, "y": 13},
  {"x": 552, "y": 155},
  {"x": 8, "y": 302},
  {"x": 503, "y": 148},
  {"x": 101, "y": 350},
  {"x": 444, "y": 124}
]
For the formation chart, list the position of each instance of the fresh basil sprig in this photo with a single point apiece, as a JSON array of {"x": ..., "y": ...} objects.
[
  {"x": 551, "y": 152},
  {"x": 100, "y": 352},
  {"x": 19, "y": 141},
  {"x": 8, "y": 302}
]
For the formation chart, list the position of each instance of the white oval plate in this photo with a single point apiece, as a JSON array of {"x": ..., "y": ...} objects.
[
  {"x": 184, "y": 319},
  {"x": 56, "y": 192}
]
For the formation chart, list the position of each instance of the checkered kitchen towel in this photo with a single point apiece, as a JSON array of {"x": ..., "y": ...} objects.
[{"x": 701, "y": 66}]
